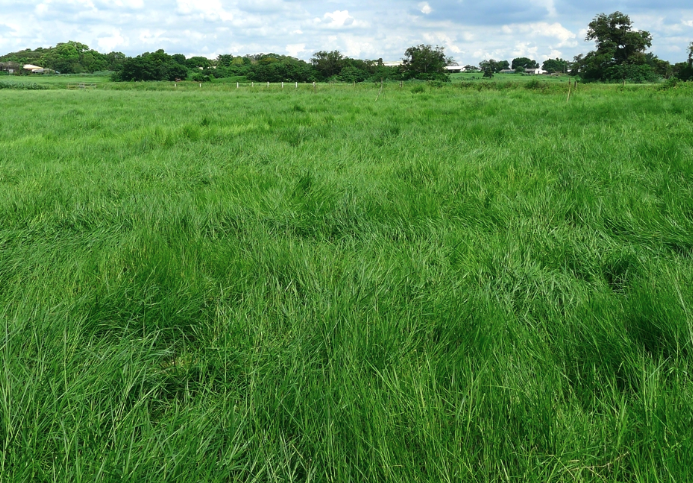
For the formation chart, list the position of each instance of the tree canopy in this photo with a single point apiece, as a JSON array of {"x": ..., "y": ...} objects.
[
  {"x": 328, "y": 64},
  {"x": 151, "y": 67},
  {"x": 525, "y": 63},
  {"x": 556, "y": 65},
  {"x": 491, "y": 66},
  {"x": 425, "y": 62},
  {"x": 620, "y": 52},
  {"x": 68, "y": 58}
]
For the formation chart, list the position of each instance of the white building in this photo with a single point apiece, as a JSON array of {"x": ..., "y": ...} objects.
[
  {"x": 537, "y": 71},
  {"x": 34, "y": 69}
]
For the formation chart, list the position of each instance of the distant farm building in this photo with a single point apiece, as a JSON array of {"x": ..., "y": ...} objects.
[
  {"x": 537, "y": 71},
  {"x": 34, "y": 69}
]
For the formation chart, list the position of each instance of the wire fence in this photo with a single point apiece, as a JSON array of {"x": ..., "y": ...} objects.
[{"x": 81, "y": 85}]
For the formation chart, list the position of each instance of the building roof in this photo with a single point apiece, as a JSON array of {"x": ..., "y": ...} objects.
[{"x": 31, "y": 67}]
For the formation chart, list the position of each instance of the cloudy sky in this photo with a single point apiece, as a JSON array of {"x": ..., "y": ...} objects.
[{"x": 470, "y": 30}]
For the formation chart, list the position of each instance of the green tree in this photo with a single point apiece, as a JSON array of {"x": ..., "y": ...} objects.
[
  {"x": 224, "y": 60},
  {"x": 525, "y": 63},
  {"x": 74, "y": 57},
  {"x": 494, "y": 66},
  {"x": 179, "y": 58},
  {"x": 425, "y": 62},
  {"x": 154, "y": 66},
  {"x": 684, "y": 70},
  {"x": 328, "y": 64},
  {"x": 619, "y": 48},
  {"x": 198, "y": 62},
  {"x": 115, "y": 60},
  {"x": 556, "y": 65}
]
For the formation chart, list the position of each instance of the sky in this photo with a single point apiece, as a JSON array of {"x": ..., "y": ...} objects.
[{"x": 470, "y": 30}]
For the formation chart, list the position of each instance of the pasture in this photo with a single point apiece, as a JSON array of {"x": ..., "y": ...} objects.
[{"x": 211, "y": 284}]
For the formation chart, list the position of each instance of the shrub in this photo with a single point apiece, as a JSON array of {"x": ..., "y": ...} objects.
[
  {"x": 200, "y": 77},
  {"x": 418, "y": 89},
  {"x": 22, "y": 86},
  {"x": 535, "y": 84}
]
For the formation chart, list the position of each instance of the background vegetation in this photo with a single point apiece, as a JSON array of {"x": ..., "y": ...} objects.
[
  {"x": 263, "y": 285},
  {"x": 620, "y": 56}
]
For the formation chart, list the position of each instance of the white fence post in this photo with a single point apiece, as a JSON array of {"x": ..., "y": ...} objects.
[
  {"x": 268, "y": 84},
  {"x": 297, "y": 85},
  {"x": 237, "y": 85},
  {"x": 282, "y": 85}
]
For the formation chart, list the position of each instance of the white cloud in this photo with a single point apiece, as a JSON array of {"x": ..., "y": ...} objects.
[
  {"x": 209, "y": 10},
  {"x": 469, "y": 30},
  {"x": 51, "y": 7},
  {"x": 112, "y": 42},
  {"x": 295, "y": 49},
  {"x": 338, "y": 19},
  {"x": 542, "y": 29}
]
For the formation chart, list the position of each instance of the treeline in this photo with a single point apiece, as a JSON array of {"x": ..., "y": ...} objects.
[
  {"x": 620, "y": 55},
  {"x": 420, "y": 62},
  {"x": 67, "y": 58}
]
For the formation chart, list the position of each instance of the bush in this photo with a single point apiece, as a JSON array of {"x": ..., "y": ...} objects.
[
  {"x": 200, "y": 77},
  {"x": 418, "y": 89},
  {"x": 22, "y": 86},
  {"x": 535, "y": 84},
  {"x": 685, "y": 72},
  {"x": 669, "y": 84},
  {"x": 632, "y": 73}
]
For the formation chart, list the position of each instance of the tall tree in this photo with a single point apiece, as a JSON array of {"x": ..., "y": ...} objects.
[
  {"x": 328, "y": 64},
  {"x": 525, "y": 63},
  {"x": 684, "y": 70},
  {"x": 555, "y": 65},
  {"x": 494, "y": 66},
  {"x": 620, "y": 50},
  {"x": 425, "y": 61},
  {"x": 154, "y": 66}
]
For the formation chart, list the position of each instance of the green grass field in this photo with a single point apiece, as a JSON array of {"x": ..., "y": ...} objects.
[
  {"x": 254, "y": 285},
  {"x": 479, "y": 76}
]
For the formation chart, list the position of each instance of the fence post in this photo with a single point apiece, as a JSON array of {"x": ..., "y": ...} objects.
[
  {"x": 200, "y": 85},
  {"x": 297, "y": 85},
  {"x": 268, "y": 84},
  {"x": 252, "y": 84},
  {"x": 282, "y": 85},
  {"x": 237, "y": 85}
]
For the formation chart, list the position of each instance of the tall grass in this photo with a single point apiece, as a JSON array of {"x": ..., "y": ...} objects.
[{"x": 261, "y": 285}]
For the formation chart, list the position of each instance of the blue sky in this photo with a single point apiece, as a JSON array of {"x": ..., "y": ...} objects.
[{"x": 469, "y": 30}]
